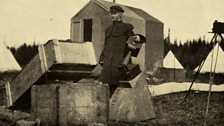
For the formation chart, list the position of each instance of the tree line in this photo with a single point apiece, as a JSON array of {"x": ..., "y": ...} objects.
[
  {"x": 24, "y": 53},
  {"x": 190, "y": 53}
]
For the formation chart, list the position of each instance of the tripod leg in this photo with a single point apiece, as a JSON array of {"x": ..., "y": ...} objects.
[{"x": 198, "y": 71}]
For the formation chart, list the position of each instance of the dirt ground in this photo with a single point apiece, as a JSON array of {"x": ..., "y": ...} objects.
[{"x": 171, "y": 110}]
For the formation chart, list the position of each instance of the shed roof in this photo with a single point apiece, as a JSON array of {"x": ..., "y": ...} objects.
[
  {"x": 129, "y": 11},
  {"x": 143, "y": 14}
]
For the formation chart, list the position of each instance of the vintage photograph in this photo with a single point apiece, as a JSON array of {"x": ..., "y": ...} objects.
[{"x": 111, "y": 62}]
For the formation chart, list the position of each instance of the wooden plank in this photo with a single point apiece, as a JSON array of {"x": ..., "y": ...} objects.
[
  {"x": 31, "y": 73},
  {"x": 25, "y": 79},
  {"x": 12, "y": 116},
  {"x": 8, "y": 94},
  {"x": 132, "y": 104},
  {"x": 72, "y": 66},
  {"x": 141, "y": 58},
  {"x": 42, "y": 54},
  {"x": 67, "y": 75}
]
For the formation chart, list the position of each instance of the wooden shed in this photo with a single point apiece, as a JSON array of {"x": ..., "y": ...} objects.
[{"x": 90, "y": 23}]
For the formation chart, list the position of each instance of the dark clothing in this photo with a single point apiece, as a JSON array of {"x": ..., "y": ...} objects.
[{"x": 114, "y": 51}]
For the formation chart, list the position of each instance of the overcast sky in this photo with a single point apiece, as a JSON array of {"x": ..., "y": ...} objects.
[{"x": 40, "y": 20}]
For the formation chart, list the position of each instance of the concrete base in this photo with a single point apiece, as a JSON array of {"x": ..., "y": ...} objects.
[
  {"x": 132, "y": 104},
  {"x": 70, "y": 104}
]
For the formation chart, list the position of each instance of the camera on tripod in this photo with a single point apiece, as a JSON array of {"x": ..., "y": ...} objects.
[{"x": 218, "y": 27}]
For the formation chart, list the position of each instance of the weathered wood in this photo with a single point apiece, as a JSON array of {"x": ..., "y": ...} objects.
[
  {"x": 80, "y": 53},
  {"x": 132, "y": 104},
  {"x": 2, "y": 94},
  {"x": 67, "y": 75},
  {"x": 72, "y": 66},
  {"x": 140, "y": 59},
  {"x": 30, "y": 74},
  {"x": 12, "y": 116},
  {"x": 70, "y": 104},
  {"x": 53, "y": 52},
  {"x": 43, "y": 99}
]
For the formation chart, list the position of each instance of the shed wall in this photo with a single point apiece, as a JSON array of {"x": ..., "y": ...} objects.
[
  {"x": 154, "y": 45},
  {"x": 95, "y": 12},
  {"x": 139, "y": 25}
]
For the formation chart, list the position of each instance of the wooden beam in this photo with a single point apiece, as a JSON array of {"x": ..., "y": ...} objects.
[
  {"x": 31, "y": 73},
  {"x": 67, "y": 75}
]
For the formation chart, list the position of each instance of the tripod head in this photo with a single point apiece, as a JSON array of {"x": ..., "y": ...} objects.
[{"x": 218, "y": 27}]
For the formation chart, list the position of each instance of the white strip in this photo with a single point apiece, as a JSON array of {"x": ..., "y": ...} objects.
[
  {"x": 8, "y": 94},
  {"x": 44, "y": 57},
  {"x": 57, "y": 51},
  {"x": 41, "y": 58},
  {"x": 173, "y": 87}
]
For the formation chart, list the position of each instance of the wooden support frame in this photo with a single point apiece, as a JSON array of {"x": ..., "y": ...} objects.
[
  {"x": 132, "y": 104},
  {"x": 50, "y": 54}
]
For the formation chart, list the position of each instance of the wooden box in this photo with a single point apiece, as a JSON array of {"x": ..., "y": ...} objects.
[
  {"x": 70, "y": 104},
  {"x": 55, "y": 60}
]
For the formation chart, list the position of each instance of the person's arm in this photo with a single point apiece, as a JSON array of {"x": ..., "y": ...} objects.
[
  {"x": 101, "y": 57},
  {"x": 129, "y": 31},
  {"x": 103, "y": 51},
  {"x": 102, "y": 54},
  {"x": 132, "y": 38}
]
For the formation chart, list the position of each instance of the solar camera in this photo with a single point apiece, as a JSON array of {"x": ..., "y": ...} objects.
[{"x": 218, "y": 27}]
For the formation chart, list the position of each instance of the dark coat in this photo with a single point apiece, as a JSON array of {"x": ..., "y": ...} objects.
[{"x": 114, "y": 51}]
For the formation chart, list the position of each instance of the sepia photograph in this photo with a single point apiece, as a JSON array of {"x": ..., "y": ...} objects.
[{"x": 111, "y": 62}]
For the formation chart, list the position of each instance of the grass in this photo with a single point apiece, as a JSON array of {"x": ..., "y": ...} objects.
[{"x": 171, "y": 110}]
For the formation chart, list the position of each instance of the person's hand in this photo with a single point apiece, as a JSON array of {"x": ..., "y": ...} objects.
[
  {"x": 130, "y": 46},
  {"x": 136, "y": 38},
  {"x": 101, "y": 63}
]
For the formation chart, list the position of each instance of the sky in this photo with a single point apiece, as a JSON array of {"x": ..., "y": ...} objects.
[{"x": 40, "y": 20}]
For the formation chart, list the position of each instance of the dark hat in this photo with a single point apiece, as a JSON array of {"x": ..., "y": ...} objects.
[{"x": 116, "y": 9}]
